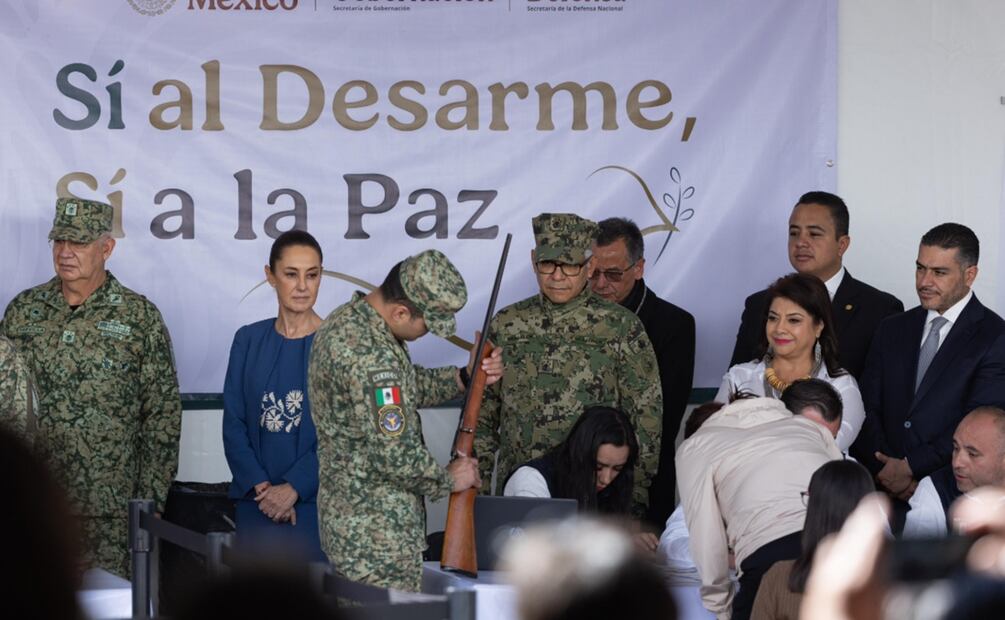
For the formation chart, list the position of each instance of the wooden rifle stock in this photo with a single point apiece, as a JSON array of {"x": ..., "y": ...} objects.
[{"x": 459, "y": 553}]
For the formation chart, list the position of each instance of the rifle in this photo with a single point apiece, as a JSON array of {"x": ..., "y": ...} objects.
[{"x": 459, "y": 553}]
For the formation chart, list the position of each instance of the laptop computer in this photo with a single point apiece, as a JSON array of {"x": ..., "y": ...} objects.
[{"x": 498, "y": 519}]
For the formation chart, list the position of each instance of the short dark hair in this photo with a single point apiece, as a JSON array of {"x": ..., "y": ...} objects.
[
  {"x": 576, "y": 460},
  {"x": 614, "y": 228},
  {"x": 392, "y": 292},
  {"x": 835, "y": 490},
  {"x": 291, "y": 238},
  {"x": 951, "y": 235},
  {"x": 699, "y": 415},
  {"x": 814, "y": 394},
  {"x": 809, "y": 293},
  {"x": 834, "y": 204},
  {"x": 740, "y": 394}
]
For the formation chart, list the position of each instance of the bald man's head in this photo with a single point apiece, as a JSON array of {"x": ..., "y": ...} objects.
[{"x": 979, "y": 449}]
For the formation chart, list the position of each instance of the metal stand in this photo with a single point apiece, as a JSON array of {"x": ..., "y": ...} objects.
[
  {"x": 145, "y": 529},
  {"x": 139, "y": 548},
  {"x": 460, "y": 604},
  {"x": 218, "y": 546}
]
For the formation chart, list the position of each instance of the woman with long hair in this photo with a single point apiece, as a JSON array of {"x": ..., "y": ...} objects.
[
  {"x": 798, "y": 342},
  {"x": 835, "y": 490},
  {"x": 595, "y": 465}
]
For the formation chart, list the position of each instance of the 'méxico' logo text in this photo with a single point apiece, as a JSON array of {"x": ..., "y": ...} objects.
[{"x": 241, "y": 5}]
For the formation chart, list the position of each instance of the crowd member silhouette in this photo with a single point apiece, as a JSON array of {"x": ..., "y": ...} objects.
[
  {"x": 834, "y": 492},
  {"x": 41, "y": 558}
]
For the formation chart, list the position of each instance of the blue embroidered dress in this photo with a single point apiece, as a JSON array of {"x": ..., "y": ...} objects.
[{"x": 268, "y": 434}]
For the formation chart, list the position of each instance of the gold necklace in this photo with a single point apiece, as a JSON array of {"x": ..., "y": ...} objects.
[{"x": 775, "y": 382}]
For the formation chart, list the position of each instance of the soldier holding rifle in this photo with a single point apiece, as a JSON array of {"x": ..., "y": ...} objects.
[
  {"x": 365, "y": 393},
  {"x": 567, "y": 349}
]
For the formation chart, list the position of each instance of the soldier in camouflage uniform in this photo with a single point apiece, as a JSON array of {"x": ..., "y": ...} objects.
[
  {"x": 17, "y": 392},
  {"x": 109, "y": 411},
  {"x": 364, "y": 393},
  {"x": 567, "y": 349}
]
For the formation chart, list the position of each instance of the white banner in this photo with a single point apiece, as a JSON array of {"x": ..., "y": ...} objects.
[{"x": 390, "y": 126}]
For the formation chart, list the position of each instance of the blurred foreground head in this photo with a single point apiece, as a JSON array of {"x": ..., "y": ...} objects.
[
  {"x": 41, "y": 556},
  {"x": 585, "y": 569}
]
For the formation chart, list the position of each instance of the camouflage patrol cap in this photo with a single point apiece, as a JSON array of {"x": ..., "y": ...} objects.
[
  {"x": 563, "y": 237},
  {"x": 436, "y": 288},
  {"x": 82, "y": 221}
]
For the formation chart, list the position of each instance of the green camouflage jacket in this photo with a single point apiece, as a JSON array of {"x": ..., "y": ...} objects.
[
  {"x": 17, "y": 392},
  {"x": 561, "y": 358},
  {"x": 109, "y": 412},
  {"x": 374, "y": 466}
]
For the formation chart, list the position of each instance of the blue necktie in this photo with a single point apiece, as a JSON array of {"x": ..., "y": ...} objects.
[{"x": 929, "y": 348}]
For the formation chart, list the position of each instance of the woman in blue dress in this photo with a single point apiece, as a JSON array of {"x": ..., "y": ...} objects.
[{"x": 268, "y": 435}]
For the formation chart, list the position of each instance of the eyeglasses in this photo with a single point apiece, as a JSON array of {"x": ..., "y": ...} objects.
[
  {"x": 805, "y": 496},
  {"x": 612, "y": 275},
  {"x": 73, "y": 246},
  {"x": 548, "y": 267}
]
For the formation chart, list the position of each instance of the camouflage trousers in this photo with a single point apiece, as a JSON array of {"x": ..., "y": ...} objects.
[
  {"x": 106, "y": 544},
  {"x": 401, "y": 572}
]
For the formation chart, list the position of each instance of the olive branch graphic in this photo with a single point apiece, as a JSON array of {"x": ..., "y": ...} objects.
[{"x": 675, "y": 203}]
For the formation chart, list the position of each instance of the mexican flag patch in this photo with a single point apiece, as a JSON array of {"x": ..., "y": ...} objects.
[{"x": 388, "y": 396}]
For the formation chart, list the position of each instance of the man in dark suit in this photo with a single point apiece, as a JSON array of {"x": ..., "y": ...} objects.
[
  {"x": 620, "y": 263},
  {"x": 929, "y": 366},
  {"x": 818, "y": 238}
]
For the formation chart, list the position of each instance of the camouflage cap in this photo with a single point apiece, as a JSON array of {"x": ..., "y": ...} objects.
[
  {"x": 563, "y": 237},
  {"x": 82, "y": 221},
  {"x": 436, "y": 288}
]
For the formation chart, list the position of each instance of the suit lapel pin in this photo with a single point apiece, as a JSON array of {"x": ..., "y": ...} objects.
[{"x": 847, "y": 306}]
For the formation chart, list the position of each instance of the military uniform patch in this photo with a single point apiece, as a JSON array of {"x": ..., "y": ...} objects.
[
  {"x": 95, "y": 400},
  {"x": 385, "y": 376},
  {"x": 71, "y": 208},
  {"x": 391, "y": 420},
  {"x": 114, "y": 329},
  {"x": 390, "y": 395}
]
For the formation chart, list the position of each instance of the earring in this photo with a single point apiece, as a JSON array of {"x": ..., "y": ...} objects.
[{"x": 817, "y": 353}]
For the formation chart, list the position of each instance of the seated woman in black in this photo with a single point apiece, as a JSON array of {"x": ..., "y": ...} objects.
[{"x": 595, "y": 465}]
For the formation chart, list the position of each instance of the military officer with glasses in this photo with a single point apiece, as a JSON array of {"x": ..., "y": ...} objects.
[
  {"x": 109, "y": 412},
  {"x": 619, "y": 258},
  {"x": 567, "y": 349}
]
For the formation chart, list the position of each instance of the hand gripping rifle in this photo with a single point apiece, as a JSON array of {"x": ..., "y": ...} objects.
[{"x": 459, "y": 554}]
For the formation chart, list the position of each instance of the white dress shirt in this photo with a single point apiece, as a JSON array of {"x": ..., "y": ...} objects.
[
  {"x": 749, "y": 377},
  {"x": 951, "y": 315},
  {"x": 526, "y": 482},
  {"x": 926, "y": 518},
  {"x": 834, "y": 282}
]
